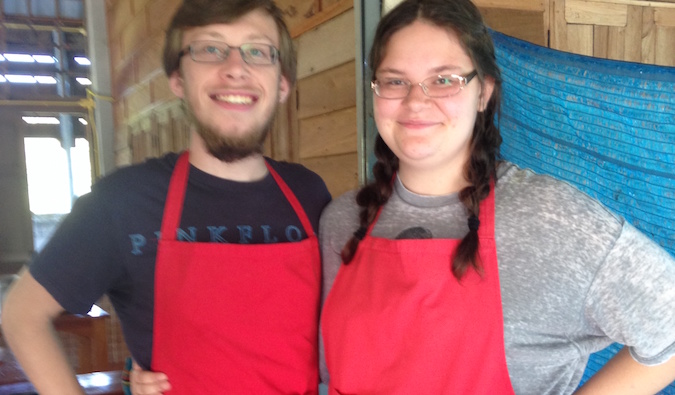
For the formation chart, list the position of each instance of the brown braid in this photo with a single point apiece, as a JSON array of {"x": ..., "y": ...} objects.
[
  {"x": 480, "y": 170},
  {"x": 372, "y": 196}
]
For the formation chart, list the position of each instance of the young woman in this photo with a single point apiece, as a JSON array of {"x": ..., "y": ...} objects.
[{"x": 455, "y": 273}]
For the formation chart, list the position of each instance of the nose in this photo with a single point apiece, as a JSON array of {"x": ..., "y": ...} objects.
[
  {"x": 416, "y": 96},
  {"x": 233, "y": 66}
]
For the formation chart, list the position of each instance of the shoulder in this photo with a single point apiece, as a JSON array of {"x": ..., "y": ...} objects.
[
  {"x": 300, "y": 178},
  {"x": 513, "y": 178},
  {"x": 293, "y": 170},
  {"x": 307, "y": 186},
  {"x": 149, "y": 173},
  {"x": 539, "y": 215},
  {"x": 527, "y": 191},
  {"x": 339, "y": 220},
  {"x": 343, "y": 209}
]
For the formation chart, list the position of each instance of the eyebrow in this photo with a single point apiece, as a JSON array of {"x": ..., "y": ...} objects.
[
  {"x": 250, "y": 38},
  {"x": 435, "y": 70}
]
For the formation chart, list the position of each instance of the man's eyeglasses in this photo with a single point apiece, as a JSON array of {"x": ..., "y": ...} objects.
[
  {"x": 436, "y": 86},
  {"x": 216, "y": 51}
]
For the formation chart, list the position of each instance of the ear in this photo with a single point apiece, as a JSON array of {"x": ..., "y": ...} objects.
[
  {"x": 284, "y": 89},
  {"x": 486, "y": 93},
  {"x": 176, "y": 84}
]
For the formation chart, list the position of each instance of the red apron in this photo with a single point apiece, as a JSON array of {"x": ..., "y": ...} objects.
[
  {"x": 397, "y": 321},
  {"x": 234, "y": 318}
]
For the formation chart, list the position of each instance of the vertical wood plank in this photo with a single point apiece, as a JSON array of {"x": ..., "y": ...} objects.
[
  {"x": 600, "y": 38},
  {"x": 580, "y": 39},
  {"x": 294, "y": 126},
  {"x": 279, "y": 140},
  {"x": 155, "y": 138},
  {"x": 665, "y": 16},
  {"x": 633, "y": 37},
  {"x": 665, "y": 42},
  {"x": 525, "y": 25},
  {"x": 648, "y": 42},
  {"x": 616, "y": 43},
  {"x": 149, "y": 142},
  {"x": 180, "y": 135},
  {"x": 135, "y": 148},
  {"x": 546, "y": 16},
  {"x": 165, "y": 136},
  {"x": 559, "y": 26}
]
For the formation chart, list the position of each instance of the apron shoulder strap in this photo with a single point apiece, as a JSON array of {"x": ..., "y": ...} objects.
[
  {"x": 173, "y": 208},
  {"x": 297, "y": 207}
]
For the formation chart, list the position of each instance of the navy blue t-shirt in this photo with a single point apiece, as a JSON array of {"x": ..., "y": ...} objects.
[{"x": 108, "y": 243}]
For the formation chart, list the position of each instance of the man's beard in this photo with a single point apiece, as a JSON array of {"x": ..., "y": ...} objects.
[{"x": 229, "y": 149}]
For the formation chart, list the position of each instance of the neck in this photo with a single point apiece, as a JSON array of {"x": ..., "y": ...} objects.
[
  {"x": 249, "y": 169},
  {"x": 432, "y": 183}
]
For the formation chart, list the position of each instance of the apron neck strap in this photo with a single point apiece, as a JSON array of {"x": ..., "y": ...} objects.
[
  {"x": 173, "y": 208},
  {"x": 290, "y": 196}
]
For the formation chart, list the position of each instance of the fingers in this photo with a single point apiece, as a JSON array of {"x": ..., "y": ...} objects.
[{"x": 144, "y": 382}]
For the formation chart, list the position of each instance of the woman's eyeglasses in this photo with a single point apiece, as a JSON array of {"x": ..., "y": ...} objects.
[{"x": 436, "y": 86}]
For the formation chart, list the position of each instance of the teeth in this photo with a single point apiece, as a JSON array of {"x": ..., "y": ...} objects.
[{"x": 235, "y": 99}]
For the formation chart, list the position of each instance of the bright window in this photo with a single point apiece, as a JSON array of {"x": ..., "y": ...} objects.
[{"x": 48, "y": 176}]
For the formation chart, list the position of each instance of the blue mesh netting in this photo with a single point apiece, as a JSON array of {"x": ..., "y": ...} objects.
[{"x": 607, "y": 127}]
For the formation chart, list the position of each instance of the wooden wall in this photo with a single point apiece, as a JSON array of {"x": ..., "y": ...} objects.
[
  {"x": 634, "y": 31},
  {"x": 628, "y": 30},
  {"x": 317, "y": 126},
  {"x": 631, "y": 30},
  {"x": 326, "y": 105},
  {"x": 147, "y": 118}
]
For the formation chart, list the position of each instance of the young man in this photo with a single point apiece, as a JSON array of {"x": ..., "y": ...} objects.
[{"x": 209, "y": 258}]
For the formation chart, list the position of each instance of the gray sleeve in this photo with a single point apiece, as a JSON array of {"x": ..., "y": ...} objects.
[
  {"x": 632, "y": 298},
  {"x": 342, "y": 215}
]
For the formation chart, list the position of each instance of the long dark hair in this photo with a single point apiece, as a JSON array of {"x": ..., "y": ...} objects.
[{"x": 463, "y": 18}]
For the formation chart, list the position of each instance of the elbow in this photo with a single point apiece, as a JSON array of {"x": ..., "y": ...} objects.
[
  {"x": 10, "y": 316},
  {"x": 21, "y": 313}
]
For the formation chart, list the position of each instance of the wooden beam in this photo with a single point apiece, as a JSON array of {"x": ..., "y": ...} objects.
[{"x": 324, "y": 16}]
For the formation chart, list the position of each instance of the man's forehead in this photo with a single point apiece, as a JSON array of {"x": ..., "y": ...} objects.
[
  {"x": 254, "y": 26},
  {"x": 217, "y": 34}
]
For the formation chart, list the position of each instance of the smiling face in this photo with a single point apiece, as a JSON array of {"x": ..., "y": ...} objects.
[
  {"x": 428, "y": 135},
  {"x": 231, "y": 104}
]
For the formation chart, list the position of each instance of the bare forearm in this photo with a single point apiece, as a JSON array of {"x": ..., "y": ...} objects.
[
  {"x": 623, "y": 375},
  {"x": 30, "y": 334}
]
